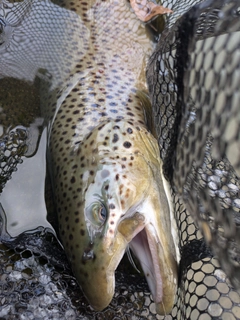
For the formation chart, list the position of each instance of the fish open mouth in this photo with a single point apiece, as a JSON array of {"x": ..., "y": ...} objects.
[
  {"x": 158, "y": 265},
  {"x": 145, "y": 251}
]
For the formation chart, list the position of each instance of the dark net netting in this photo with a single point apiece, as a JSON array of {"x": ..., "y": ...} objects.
[
  {"x": 193, "y": 79},
  {"x": 194, "y": 82},
  {"x": 12, "y": 148}
]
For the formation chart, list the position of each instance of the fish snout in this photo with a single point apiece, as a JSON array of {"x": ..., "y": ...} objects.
[
  {"x": 96, "y": 271},
  {"x": 98, "y": 288}
]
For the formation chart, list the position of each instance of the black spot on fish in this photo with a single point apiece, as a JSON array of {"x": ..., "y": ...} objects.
[
  {"x": 73, "y": 180},
  {"x": 115, "y": 138},
  {"x": 95, "y": 105},
  {"x": 129, "y": 130},
  {"x": 70, "y": 237},
  {"x": 99, "y": 128},
  {"x": 111, "y": 206},
  {"x": 89, "y": 135},
  {"x": 102, "y": 114},
  {"x": 82, "y": 232},
  {"x": 127, "y": 144}
]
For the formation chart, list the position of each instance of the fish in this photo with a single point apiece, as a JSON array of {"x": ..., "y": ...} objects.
[
  {"x": 109, "y": 189},
  {"x": 108, "y": 184}
]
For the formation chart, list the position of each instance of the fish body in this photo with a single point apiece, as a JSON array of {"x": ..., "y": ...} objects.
[{"x": 107, "y": 179}]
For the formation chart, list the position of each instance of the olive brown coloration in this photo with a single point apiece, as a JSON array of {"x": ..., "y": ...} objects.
[{"x": 106, "y": 166}]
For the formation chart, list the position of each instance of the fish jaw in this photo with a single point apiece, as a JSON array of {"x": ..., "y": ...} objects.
[
  {"x": 159, "y": 266},
  {"x": 154, "y": 248}
]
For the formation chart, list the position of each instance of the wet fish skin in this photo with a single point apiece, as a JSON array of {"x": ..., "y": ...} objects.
[{"x": 108, "y": 185}]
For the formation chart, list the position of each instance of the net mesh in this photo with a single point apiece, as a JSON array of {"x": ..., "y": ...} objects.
[{"x": 193, "y": 79}]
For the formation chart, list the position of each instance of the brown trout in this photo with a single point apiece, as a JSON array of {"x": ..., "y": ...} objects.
[
  {"x": 107, "y": 175},
  {"x": 109, "y": 189}
]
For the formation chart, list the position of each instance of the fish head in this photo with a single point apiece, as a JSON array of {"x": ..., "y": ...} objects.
[{"x": 119, "y": 206}]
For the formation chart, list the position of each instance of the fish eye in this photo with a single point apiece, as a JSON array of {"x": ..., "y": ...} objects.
[
  {"x": 102, "y": 213},
  {"x": 97, "y": 213}
]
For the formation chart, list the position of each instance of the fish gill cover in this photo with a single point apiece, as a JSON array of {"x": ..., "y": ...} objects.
[{"x": 193, "y": 79}]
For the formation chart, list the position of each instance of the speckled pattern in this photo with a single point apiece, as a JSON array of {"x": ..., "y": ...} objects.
[{"x": 106, "y": 165}]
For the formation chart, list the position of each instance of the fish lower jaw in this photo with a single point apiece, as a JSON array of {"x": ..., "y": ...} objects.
[
  {"x": 148, "y": 260},
  {"x": 145, "y": 246}
]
